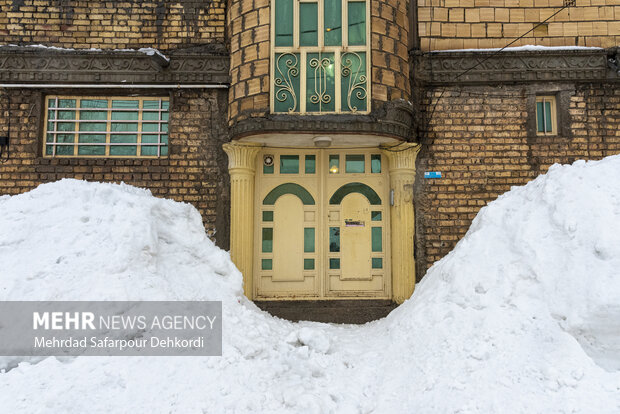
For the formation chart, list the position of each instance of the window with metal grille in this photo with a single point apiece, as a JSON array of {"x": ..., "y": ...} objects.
[
  {"x": 106, "y": 126},
  {"x": 320, "y": 57}
]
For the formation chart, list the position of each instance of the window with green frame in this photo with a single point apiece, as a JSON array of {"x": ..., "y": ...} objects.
[
  {"x": 321, "y": 57},
  {"x": 106, "y": 126}
]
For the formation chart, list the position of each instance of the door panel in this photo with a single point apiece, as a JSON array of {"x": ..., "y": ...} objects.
[
  {"x": 288, "y": 239},
  {"x": 355, "y": 238}
]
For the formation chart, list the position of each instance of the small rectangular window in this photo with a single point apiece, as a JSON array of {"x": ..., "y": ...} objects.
[
  {"x": 106, "y": 126},
  {"x": 308, "y": 24},
  {"x": 334, "y": 164},
  {"x": 354, "y": 163},
  {"x": 375, "y": 163},
  {"x": 546, "y": 117},
  {"x": 289, "y": 164},
  {"x": 310, "y": 164}
]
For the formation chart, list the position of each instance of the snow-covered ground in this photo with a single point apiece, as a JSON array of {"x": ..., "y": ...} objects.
[{"x": 522, "y": 317}]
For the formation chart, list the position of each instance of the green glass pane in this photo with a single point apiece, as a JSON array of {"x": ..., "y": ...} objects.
[
  {"x": 66, "y": 115},
  {"x": 124, "y": 127},
  {"x": 164, "y": 139},
  {"x": 91, "y": 150},
  {"x": 129, "y": 150},
  {"x": 308, "y": 264},
  {"x": 49, "y": 150},
  {"x": 334, "y": 263},
  {"x": 164, "y": 127},
  {"x": 540, "y": 117},
  {"x": 320, "y": 82},
  {"x": 334, "y": 239},
  {"x": 284, "y": 23},
  {"x": 51, "y": 115},
  {"x": 126, "y": 104},
  {"x": 150, "y": 105},
  {"x": 308, "y": 24},
  {"x": 149, "y": 139},
  {"x": 375, "y": 216},
  {"x": 334, "y": 164},
  {"x": 50, "y": 138},
  {"x": 93, "y": 103},
  {"x": 365, "y": 190},
  {"x": 164, "y": 116},
  {"x": 65, "y": 138},
  {"x": 148, "y": 151},
  {"x": 353, "y": 82},
  {"x": 50, "y": 126},
  {"x": 124, "y": 116},
  {"x": 93, "y": 126},
  {"x": 548, "y": 117},
  {"x": 163, "y": 150},
  {"x": 267, "y": 215},
  {"x": 91, "y": 138},
  {"x": 375, "y": 163},
  {"x": 289, "y": 188},
  {"x": 333, "y": 23},
  {"x": 65, "y": 126},
  {"x": 310, "y": 164},
  {"x": 289, "y": 164},
  {"x": 286, "y": 82},
  {"x": 150, "y": 127},
  {"x": 94, "y": 115},
  {"x": 309, "y": 239},
  {"x": 66, "y": 103},
  {"x": 64, "y": 150},
  {"x": 266, "y": 264},
  {"x": 51, "y": 103},
  {"x": 354, "y": 163},
  {"x": 267, "y": 169},
  {"x": 377, "y": 239},
  {"x": 150, "y": 116},
  {"x": 357, "y": 23},
  {"x": 267, "y": 240},
  {"x": 165, "y": 104},
  {"x": 377, "y": 263}
]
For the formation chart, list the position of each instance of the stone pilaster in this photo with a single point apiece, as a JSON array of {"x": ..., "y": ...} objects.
[
  {"x": 241, "y": 167},
  {"x": 402, "y": 176}
]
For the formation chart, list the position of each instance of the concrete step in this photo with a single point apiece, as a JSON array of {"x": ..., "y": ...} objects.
[{"x": 334, "y": 311}]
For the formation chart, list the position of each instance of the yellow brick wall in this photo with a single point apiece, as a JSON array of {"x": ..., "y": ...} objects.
[
  {"x": 481, "y": 24},
  {"x": 163, "y": 24},
  {"x": 478, "y": 139}
]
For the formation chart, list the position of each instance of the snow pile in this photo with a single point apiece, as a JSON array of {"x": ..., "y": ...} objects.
[{"x": 522, "y": 317}]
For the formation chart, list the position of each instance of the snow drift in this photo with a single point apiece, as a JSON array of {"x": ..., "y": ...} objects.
[{"x": 522, "y": 317}]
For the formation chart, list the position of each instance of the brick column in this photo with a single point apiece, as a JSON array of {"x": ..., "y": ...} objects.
[
  {"x": 241, "y": 166},
  {"x": 402, "y": 176}
]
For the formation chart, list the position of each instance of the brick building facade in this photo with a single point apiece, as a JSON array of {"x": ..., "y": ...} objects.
[{"x": 365, "y": 103}]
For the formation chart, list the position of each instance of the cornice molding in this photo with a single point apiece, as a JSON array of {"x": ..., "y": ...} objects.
[
  {"x": 391, "y": 118},
  {"x": 581, "y": 65},
  {"x": 38, "y": 65}
]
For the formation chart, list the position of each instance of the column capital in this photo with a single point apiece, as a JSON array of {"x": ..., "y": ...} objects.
[
  {"x": 241, "y": 155},
  {"x": 402, "y": 156}
]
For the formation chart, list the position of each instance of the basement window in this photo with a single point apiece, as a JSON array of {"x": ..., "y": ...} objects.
[
  {"x": 106, "y": 126},
  {"x": 546, "y": 115}
]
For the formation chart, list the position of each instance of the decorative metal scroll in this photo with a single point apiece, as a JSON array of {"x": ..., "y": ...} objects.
[
  {"x": 320, "y": 66},
  {"x": 284, "y": 88},
  {"x": 354, "y": 68}
]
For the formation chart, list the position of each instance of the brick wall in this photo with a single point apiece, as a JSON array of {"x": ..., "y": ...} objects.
[
  {"x": 195, "y": 171},
  {"x": 481, "y": 143},
  {"x": 163, "y": 24},
  {"x": 472, "y": 24},
  {"x": 249, "y": 23}
]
